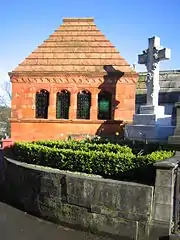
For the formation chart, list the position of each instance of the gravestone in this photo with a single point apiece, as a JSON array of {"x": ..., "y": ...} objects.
[
  {"x": 151, "y": 123},
  {"x": 175, "y": 139}
]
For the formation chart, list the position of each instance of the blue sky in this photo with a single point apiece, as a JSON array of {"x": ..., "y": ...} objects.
[{"x": 127, "y": 24}]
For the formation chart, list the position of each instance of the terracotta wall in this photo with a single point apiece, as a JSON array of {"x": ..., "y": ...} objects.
[
  {"x": 23, "y": 99},
  {"x": 29, "y": 130},
  {"x": 24, "y": 126}
]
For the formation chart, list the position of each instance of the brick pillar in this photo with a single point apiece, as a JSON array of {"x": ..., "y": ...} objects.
[
  {"x": 94, "y": 106},
  {"x": 73, "y": 105},
  {"x": 52, "y": 105}
]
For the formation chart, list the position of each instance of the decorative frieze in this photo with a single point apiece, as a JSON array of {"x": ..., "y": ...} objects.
[{"x": 74, "y": 79}]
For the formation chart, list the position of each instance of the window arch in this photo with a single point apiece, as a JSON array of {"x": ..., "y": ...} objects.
[
  {"x": 42, "y": 103},
  {"x": 104, "y": 105},
  {"x": 83, "y": 105},
  {"x": 62, "y": 104}
]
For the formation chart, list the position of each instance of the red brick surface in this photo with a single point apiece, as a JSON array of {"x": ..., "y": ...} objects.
[{"x": 73, "y": 58}]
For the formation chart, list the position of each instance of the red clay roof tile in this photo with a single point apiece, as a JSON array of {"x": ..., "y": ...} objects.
[{"x": 76, "y": 46}]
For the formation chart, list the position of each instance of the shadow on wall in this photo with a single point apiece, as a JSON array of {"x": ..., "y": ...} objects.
[{"x": 107, "y": 103}]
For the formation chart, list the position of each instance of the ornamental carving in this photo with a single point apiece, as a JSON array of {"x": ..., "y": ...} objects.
[{"x": 72, "y": 79}]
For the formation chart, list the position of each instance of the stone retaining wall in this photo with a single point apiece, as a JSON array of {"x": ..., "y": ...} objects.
[{"x": 128, "y": 210}]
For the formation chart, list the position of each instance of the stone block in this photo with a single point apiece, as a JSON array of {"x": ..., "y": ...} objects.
[
  {"x": 151, "y": 119},
  {"x": 163, "y": 195},
  {"x": 143, "y": 231},
  {"x": 150, "y": 132},
  {"x": 174, "y": 140},
  {"x": 79, "y": 217},
  {"x": 112, "y": 195},
  {"x": 159, "y": 230},
  {"x": 124, "y": 228},
  {"x": 162, "y": 212},
  {"x": 164, "y": 178},
  {"x": 142, "y": 119},
  {"x": 51, "y": 186},
  {"x": 119, "y": 213},
  {"x": 150, "y": 109}
]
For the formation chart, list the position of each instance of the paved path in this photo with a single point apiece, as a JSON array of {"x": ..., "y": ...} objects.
[{"x": 17, "y": 225}]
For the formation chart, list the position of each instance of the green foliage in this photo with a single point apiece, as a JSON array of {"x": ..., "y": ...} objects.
[
  {"x": 137, "y": 147},
  {"x": 85, "y": 146},
  {"x": 108, "y": 160},
  {"x": 97, "y": 162}
]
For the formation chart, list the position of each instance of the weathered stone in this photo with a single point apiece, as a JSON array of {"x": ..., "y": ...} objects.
[
  {"x": 175, "y": 139},
  {"x": 174, "y": 236},
  {"x": 163, "y": 194},
  {"x": 159, "y": 230},
  {"x": 125, "y": 210},
  {"x": 164, "y": 178},
  {"x": 163, "y": 212},
  {"x": 163, "y": 206},
  {"x": 111, "y": 194}
]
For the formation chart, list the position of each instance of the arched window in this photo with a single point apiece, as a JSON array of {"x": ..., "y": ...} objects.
[
  {"x": 83, "y": 105},
  {"x": 42, "y": 103},
  {"x": 104, "y": 105},
  {"x": 62, "y": 104}
]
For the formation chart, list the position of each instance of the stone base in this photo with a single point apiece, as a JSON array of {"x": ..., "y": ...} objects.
[
  {"x": 151, "y": 124},
  {"x": 150, "y": 109},
  {"x": 151, "y": 119},
  {"x": 149, "y": 132},
  {"x": 174, "y": 140}
]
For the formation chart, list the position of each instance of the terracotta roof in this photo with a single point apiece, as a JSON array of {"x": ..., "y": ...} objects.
[{"x": 76, "y": 46}]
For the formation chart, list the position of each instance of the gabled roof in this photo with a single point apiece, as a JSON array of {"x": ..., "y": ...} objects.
[{"x": 77, "y": 46}]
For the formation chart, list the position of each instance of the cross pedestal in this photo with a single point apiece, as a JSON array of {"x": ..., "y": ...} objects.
[{"x": 152, "y": 123}]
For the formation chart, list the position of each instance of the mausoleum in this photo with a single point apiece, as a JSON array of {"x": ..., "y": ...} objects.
[{"x": 75, "y": 82}]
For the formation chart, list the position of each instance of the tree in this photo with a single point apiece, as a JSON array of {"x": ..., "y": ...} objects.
[
  {"x": 6, "y": 93},
  {"x": 5, "y": 113},
  {"x": 5, "y": 110}
]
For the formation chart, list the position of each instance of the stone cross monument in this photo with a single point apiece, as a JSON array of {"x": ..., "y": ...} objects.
[
  {"x": 151, "y": 58},
  {"x": 152, "y": 123}
]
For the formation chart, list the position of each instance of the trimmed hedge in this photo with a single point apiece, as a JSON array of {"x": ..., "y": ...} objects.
[
  {"x": 102, "y": 144},
  {"x": 122, "y": 165},
  {"x": 85, "y": 146},
  {"x": 137, "y": 146}
]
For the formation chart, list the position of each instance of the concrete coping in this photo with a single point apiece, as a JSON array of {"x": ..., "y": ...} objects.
[
  {"x": 49, "y": 169},
  {"x": 169, "y": 163},
  {"x": 74, "y": 174}
]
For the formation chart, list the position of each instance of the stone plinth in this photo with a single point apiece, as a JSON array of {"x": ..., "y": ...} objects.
[
  {"x": 149, "y": 132},
  {"x": 153, "y": 127}
]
